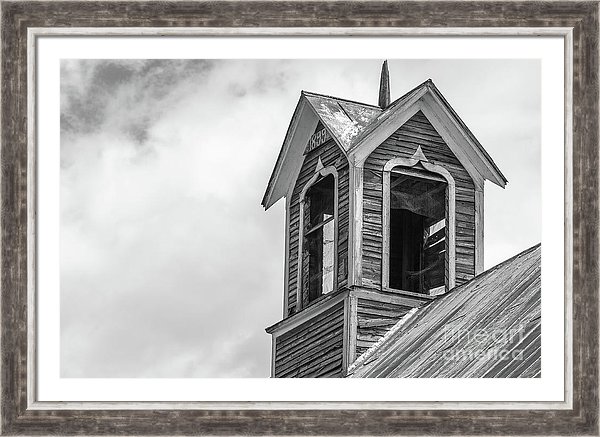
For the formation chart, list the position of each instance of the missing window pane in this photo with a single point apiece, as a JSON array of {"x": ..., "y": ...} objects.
[
  {"x": 319, "y": 238},
  {"x": 320, "y": 196},
  {"x": 417, "y": 234}
]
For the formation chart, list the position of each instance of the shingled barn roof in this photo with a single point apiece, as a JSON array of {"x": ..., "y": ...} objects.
[{"x": 488, "y": 327}]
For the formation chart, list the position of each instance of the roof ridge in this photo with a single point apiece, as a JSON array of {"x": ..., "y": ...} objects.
[
  {"x": 409, "y": 92},
  {"x": 310, "y": 93},
  {"x": 386, "y": 113},
  {"x": 368, "y": 104}
]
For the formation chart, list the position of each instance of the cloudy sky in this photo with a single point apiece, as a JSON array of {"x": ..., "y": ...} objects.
[{"x": 169, "y": 265}]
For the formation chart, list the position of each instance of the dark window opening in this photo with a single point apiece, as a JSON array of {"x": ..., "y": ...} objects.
[
  {"x": 417, "y": 233},
  {"x": 319, "y": 239}
]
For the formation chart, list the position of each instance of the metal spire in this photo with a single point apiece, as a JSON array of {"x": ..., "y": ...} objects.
[{"x": 384, "y": 86}]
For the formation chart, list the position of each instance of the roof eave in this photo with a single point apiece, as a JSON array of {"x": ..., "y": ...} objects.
[
  {"x": 404, "y": 103},
  {"x": 499, "y": 178},
  {"x": 267, "y": 200},
  {"x": 303, "y": 104}
]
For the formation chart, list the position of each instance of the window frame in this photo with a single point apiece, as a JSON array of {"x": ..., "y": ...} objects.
[
  {"x": 406, "y": 166},
  {"x": 319, "y": 174}
]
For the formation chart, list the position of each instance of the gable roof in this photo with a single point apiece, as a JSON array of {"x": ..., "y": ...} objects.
[
  {"x": 345, "y": 119},
  {"x": 465, "y": 332},
  {"x": 391, "y": 109},
  {"x": 359, "y": 127},
  {"x": 428, "y": 99}
]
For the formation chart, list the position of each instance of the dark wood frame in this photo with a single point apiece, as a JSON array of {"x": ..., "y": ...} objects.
[{"x": 17, "y": 415}]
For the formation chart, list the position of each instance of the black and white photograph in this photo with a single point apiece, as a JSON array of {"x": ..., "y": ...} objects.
[{"x": 300, "y": 218}]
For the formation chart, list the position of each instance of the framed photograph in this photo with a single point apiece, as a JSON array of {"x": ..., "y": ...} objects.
[{"x": 299, "y": 218}]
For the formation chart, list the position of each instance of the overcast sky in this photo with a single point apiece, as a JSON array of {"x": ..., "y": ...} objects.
[{"x": 169, "y": 265}]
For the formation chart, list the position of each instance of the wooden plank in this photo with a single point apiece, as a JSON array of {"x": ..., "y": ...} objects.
[
  {"x": 479, "y": 230},
  {"x": 357, "y": 225},
  {"x": 303, "y": 357},
  {"x": 362, "y": 350},
  {"x": 309, "y": 351},
  {"x": 352, "y": 328},
  {"x": 312, "y": 335},
  {"x": 331, "y": 367},
  {"x": 314, "y": 320},
  {"x": 364, "y": 337},
  {"x": 367, "y": 322},
  {"x": 314, "y": 369},
  {"x": 379, "y": 313},
  {"x": 364, "y": 344}
]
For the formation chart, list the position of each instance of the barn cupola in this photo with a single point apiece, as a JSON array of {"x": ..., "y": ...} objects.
[{"x": 384, "y": 212}]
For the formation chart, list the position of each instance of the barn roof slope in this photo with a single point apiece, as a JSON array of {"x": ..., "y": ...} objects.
[{"x": 488, "y": 327}]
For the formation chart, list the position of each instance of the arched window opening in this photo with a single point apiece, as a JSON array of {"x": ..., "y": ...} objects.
[
  {"x": 417, "y": 233},
  {"x": 318, "y": 263}
]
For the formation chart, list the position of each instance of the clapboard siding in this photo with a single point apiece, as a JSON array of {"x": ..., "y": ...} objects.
[
  {"x": 417, "y": 131},
  {"x": 374, "y": 319},
  {"x": 330, "y": 154},
  {"x": 313, "y": 349}
]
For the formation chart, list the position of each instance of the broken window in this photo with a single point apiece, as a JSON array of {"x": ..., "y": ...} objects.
[
  {"x": 417, "y": 232},
  {"x": 319, "y": 239}
]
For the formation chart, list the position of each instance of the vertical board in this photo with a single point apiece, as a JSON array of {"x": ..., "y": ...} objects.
[{"x": 416, "y": 132}]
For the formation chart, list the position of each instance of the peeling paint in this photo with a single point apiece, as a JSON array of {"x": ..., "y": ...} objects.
[{"x": 346, "y": 120}]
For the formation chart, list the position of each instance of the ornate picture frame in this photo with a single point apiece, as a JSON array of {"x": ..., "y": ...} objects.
[{"x": 22, "y": 414}]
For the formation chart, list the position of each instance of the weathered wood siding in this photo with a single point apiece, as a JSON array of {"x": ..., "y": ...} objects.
[
  {"x": 330, "y": 154},
  {"x": 417, "y": 131},
  {"x": 374, "y": 319},
  {"x": 313, "y": 349}
]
